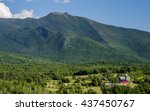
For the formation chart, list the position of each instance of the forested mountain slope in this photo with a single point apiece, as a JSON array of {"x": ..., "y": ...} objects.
[{"x": 65, "y": 38}]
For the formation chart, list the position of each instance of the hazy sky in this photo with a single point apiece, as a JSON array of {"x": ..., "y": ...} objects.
[{"x": 124, "y": 13}]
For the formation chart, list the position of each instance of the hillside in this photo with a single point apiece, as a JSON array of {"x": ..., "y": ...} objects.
[{"x": 64, "y": 38}]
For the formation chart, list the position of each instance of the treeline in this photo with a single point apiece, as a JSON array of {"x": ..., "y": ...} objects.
[
  {"x": 28, "y": 78},
  {"x": 33, "y": 78}
]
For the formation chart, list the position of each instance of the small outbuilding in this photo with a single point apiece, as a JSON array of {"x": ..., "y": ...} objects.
[{"x": 124, "y": 79}]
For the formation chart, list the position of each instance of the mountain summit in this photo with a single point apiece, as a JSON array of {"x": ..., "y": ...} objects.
[{"x": 65, "y": 38}]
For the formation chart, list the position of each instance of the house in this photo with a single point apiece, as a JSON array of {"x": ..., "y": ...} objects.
[
  {"x": 110, "y": 84},
  {"x": 124, "y": 79}
]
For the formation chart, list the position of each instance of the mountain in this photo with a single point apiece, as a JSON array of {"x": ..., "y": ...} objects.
[{"x": 64, "y": 38}]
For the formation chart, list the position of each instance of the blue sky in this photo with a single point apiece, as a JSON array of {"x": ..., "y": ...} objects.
[{"x": 124, "y": 13}]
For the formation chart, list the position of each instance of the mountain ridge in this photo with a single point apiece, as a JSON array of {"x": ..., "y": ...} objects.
[{"x": 64, "y": 38}]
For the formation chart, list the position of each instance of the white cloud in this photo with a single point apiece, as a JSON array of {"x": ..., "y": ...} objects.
[
  {"x": 6, "y": 13},
  {"x": 24, "y": 14},
  {"x": 62, "y": 1}
]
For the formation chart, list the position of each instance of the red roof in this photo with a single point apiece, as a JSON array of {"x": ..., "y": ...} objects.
[{"x": 124, "y": 82}]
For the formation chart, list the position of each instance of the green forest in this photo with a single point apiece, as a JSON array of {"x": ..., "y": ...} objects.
[{"x": 56, "y": 78}]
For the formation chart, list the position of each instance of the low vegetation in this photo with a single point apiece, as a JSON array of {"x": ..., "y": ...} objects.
[{"x": 46, "y": 78}]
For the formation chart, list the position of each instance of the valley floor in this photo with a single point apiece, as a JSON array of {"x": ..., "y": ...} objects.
[{"x": 98, "y": 78}]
